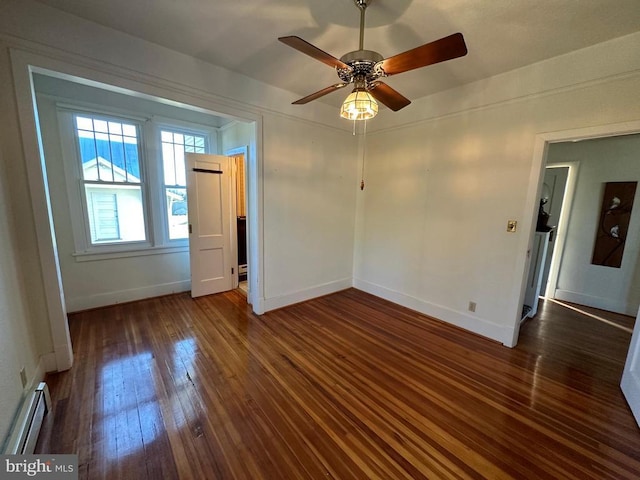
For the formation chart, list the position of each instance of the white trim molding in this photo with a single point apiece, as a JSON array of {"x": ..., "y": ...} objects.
[
  {"x": 481, "y": 326},
  {"x": 306, "y": 294}
]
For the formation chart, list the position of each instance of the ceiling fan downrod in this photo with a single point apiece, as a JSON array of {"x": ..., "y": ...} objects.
[{"x": 362, "y": 5}]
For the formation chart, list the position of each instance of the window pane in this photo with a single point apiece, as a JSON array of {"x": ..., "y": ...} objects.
[
  {"x": 179, "y": 165},
  {"x": 166, "y": 136},
  {"x": 117, "y": 159},
  {"x": 108, "y": 150},
  {"x": 174, "y": 147},
  {"x": 177, "y": 213},
  {"x": 115, "y": 127},
  {"x": 88, "y": 155},
  {"x": 84, "y": 123},
  {"x": 168, "y": 161},
  {"x": 115, "y": 213},
  {"x": 132, "y": 159},
  {"x": 100, "y": 126},
  {"x": 181, "y": 173},
  {"x": 129, "y": 130}
]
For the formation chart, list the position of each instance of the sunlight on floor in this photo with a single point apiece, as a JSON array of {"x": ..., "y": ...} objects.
[{"x": 591, "y": 315}]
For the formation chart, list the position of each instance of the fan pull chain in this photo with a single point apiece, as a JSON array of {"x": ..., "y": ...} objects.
[{"x": 364, "y": 151}]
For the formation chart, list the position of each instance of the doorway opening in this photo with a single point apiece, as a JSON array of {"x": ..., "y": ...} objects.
[
  {"x": 575, "y": 276},
  {"x": 558, "y": 177},
  {"x": 161, "y": 137},
  {"x": 239, "y": 161},
  {"x": 26, "y": 65}
]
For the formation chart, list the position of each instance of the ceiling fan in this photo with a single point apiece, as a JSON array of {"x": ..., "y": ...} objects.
[{"x": 365, "y": 68}]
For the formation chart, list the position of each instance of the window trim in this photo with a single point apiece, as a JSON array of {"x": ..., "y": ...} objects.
[{"x": 151, "y": 181}]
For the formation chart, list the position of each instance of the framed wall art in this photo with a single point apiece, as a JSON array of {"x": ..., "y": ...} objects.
[{"x": 613, "y": 225}]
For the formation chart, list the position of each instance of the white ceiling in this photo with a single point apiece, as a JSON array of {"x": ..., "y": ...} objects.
[{"x": 241, "y": 35}]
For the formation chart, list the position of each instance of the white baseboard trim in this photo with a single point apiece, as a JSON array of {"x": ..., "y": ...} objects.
[
  {"x": 76, "y": 304},
  {"x": 610, "y": 305},
  {"x": 502, "y": 334},
  {"x": 306, "y": 294},
  {"x": 48, "y": 363},
  {"x": 258, "y": 306}
]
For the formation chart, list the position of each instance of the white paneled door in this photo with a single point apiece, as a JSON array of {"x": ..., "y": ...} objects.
[
  {"x": 209, "y": 209},
  {"x": 631, "y": 375}
]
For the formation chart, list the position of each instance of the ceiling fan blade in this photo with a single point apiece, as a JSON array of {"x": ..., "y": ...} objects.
[
  {"x": 320, "y": 93},
  {"x": 441, "y": 50},
  {"x": 388, "y": 96},
  {"x": 313, "y": 51}
]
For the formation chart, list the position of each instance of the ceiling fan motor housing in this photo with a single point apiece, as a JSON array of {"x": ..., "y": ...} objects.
[
  {"x": 362, "y": 63},
  {"x": 362, "y": 3}
]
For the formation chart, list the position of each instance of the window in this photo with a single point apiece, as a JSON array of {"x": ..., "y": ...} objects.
[
  {"x": 174, "y": 146},
  {"x": 126, "y": 180},
  {"x": 110, "y": 170}
]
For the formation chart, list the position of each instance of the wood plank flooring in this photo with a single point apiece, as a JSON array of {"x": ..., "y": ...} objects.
[{"x": 347, "y": 386}]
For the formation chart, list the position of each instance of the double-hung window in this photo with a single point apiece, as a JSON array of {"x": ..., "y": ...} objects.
[
  {"x": 126, "y": 181},
  {"x": 174, "y": 146},
  {"x": 112, "y": 187}
]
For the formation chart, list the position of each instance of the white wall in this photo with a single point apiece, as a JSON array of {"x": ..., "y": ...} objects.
[
  {"x": 432, "y": 220},
  {"x": 309, "y": 196},
  {"x": 17, "y": 348},
  {"x": 24, "y": 333},
  {"x": 602, "y": 160},
  {"x": 235, "y": 135}
]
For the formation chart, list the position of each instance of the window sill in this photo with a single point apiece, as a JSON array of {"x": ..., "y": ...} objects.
[{"x": 92, "y": 256}]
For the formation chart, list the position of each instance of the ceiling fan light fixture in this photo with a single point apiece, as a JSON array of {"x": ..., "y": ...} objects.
[
  {"x": 359, "y": 105},
  {"x": 366, "y": 68}
]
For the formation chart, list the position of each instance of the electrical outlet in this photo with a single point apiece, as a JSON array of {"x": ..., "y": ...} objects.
[
  {"x": 23, "y": 377},
  {"x": 472, "y": 306},
  {"x": 511, "y": 226}
]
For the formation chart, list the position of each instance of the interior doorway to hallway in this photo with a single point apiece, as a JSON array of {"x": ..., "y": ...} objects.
[{"x": 239, "y": 161}]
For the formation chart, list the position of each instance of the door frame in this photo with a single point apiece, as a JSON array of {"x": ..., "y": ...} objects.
[
  {"x": 103, "y": 75},
  {"x": 563, "y": 224},
  {"x": 244, "y": 150},
  {"x": 536, "y": 180}
]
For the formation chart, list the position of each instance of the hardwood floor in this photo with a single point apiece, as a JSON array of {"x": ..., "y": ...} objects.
[{"x": 347, "y": 386}]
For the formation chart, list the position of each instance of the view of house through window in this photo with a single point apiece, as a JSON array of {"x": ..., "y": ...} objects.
[
  {"x": 110, "y": 162},
  {"x": 133, "y": 192},
  {"x": 174, "y": 147}
]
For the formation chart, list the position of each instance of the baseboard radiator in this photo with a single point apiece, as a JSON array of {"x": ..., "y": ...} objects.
[{"x": 25, "y": 434}]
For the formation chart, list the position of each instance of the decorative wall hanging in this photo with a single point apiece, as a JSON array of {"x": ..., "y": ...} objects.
[{"x": 613, "y": 226}]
